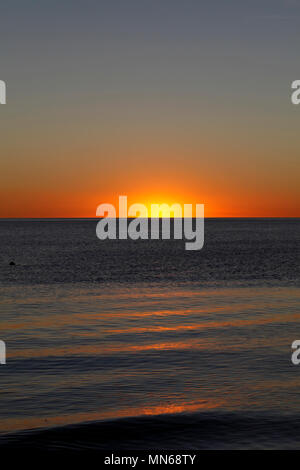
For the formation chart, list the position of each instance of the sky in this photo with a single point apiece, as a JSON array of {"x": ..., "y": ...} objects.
[{"x": 163, "y": 101}]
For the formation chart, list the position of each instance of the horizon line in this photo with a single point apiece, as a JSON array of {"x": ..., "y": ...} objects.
[{"x": 97, "y": 218}]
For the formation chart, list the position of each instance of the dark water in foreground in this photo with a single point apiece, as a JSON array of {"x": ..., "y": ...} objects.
[{"x": 151, "y": 345}]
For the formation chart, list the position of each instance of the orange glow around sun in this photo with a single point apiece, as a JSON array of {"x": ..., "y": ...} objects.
[{"x": 59, "y": 204}]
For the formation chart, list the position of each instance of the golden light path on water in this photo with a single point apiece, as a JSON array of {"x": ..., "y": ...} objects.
[{"x": 186, "y": 352}]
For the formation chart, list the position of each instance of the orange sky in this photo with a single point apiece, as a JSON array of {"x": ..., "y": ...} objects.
[
  {"x": 164, "y": 104},
  {"x": 229, "y": 181}
]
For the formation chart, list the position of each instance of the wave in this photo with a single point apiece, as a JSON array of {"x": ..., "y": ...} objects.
[{"x": 194, "y": 431}]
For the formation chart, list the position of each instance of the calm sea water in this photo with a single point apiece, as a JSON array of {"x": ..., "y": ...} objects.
[{"x": 190, "y": 349}]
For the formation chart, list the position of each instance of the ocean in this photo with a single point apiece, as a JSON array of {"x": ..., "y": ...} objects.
[{"x": 141, "y": 344}]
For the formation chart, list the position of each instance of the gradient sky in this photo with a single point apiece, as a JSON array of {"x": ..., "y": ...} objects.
[{"x": 161, "y": 100}]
